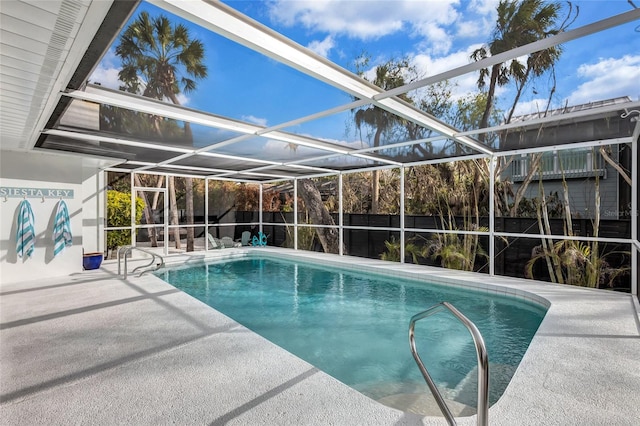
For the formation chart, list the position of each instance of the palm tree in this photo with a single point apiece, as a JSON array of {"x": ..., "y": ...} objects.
[
  {"x": 162, "y": 61},
  {"x": 388, "y": 76},
  {"x": 519, "y": 23}
]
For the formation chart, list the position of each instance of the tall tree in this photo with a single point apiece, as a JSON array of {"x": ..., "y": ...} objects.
[
  {"x": 319, "y": 214},
  {"x": 161, "y": 61},
  {"x": 389, "y": 75},
  {"x": 520, "y": 23}
]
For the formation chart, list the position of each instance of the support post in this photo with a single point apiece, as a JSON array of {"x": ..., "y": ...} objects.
[
  {"x": 635, "y": 237},
  {"x": 340, "y": 216},
  {"x": 295, "y": 214},
  {"x": 402, "y": 254},
  {"x": 260, "y": 209},
  {"x": 492, "y": 213}
]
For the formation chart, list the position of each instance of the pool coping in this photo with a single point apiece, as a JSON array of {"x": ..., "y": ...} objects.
[{"x": 582, "y": 367}]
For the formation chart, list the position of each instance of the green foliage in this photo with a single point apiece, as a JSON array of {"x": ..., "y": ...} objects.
[
  {"x": 306, "y": 235},
  {"x": 459, "y": 188},
  {"x": 519, "y": 23},
  {"x": 571, "y": 261},
  {"x": 119, "y": 181},
  {"x": 119, "y": 214},
  {"x": 392, "y": 252},
  {"x": 456, "y": 251},
  {"x": 577, "y": 263},
  {"x": 450, "y": 250},
  {"x": 469, "y": 111},
  {"x": 306, "y": 238},
  {"x": 156, "y": 52}
]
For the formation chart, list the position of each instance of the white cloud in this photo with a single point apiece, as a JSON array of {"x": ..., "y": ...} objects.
[
  {"x": 437, "y": 40},
  {"x": 529, "y": 107},
  {"x": 470, "y": 29},
  {"x": 365, "y": 20},
  {"x": 106, "y": 77},
  {"x": 484, "y": 7},
  {"x": 183, "y": 99},
  {"x": 479, "y": 19},
  {"x": 323, "y": 47},
  {"x": 255, "y": 120},
  {"x": 107, "y": 71},
  {"x": 608, "y": 78},
  {"x": 428, "y": 65}
]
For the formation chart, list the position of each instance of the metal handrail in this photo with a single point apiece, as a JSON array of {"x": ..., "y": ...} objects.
[
  {"x": 127, "y": 249},
  {"x": 483, "y": 363}
]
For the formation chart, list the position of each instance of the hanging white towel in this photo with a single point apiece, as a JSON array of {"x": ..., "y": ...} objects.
[
  {"x": 61, "y": 229},
  {"x": 25, "y": 235}
]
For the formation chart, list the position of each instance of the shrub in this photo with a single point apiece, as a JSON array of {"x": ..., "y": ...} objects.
[{"x": 119, "y": 214}]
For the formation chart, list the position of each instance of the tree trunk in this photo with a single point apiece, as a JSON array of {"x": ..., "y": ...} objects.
[
  {"x": 375, "y": 191},
  {"x": 188, "y": 134},
  {"x": 173, "y": 208},
  {"x": 547, "y": 246},
  {"x": 319, "y": 215},
  {"x": 375, "y": 177},
  {"x": 495, "y": 70},
  {"x": 519, "y": 87},
  {"x": 612, "y": 163},
  {"x": 189, "y": 202},
  {"x": 154, "y": 206},
  {"x": 594, "y": 265},
  {"x": 534, "y": 164}
]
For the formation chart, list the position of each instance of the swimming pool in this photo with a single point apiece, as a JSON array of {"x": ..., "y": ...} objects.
[{"x": 354, "y": 325}]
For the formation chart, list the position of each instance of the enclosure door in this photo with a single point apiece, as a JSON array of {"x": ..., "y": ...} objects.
[{"x": 153, "y": 231}]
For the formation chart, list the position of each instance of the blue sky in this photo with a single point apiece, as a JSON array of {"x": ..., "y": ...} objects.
[{"x": 435, "y": 35}]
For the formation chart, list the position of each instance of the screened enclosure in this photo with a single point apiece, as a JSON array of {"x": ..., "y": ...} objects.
[{"x": 370, "y": 159}]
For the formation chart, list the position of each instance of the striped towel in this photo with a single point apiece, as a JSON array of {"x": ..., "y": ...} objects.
[
  {"x": 26, "y": 234},
  {"x": 61, "y": 229}
]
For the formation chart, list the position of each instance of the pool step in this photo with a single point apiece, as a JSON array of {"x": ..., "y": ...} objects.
[
  {"x": 414, "y": 398},
  {"x": 425, "y": 405},
  {"x": 466, "y": 392}
]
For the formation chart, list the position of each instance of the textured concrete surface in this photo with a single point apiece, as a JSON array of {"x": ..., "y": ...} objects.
[{"x": 95, "y": 349}]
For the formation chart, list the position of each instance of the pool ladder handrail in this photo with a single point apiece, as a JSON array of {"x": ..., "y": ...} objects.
[
  {"x": 483, "y": 363},
  {"x": 125, "y": 250}
]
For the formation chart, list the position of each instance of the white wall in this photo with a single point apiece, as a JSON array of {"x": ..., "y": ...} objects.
[
  {"x": 93, "y": 211},
  {"x": 40, "y": 170}
]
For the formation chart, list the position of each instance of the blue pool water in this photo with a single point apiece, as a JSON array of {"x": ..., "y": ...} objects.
[{"x": 354, "y": 326}]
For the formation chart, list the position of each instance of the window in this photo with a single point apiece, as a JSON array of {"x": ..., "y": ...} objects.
[{"x": 572, "y": 163}]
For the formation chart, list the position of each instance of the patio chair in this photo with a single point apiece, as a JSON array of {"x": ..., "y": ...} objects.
[
  {"x": 215, "y": 243},
  {"x": 228, "y": 242},
  {"x": 246, "y": 238}
]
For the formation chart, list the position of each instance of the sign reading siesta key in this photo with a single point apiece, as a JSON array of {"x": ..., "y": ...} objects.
[{"x": 12, "y": 192}]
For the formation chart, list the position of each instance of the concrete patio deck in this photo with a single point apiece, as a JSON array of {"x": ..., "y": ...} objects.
[{"x": 96, "y": 349}]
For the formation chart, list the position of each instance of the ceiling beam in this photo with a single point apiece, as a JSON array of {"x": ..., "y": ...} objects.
[
  {"x": 527, "y": 49},
  {"x": 235, "y": 26}
]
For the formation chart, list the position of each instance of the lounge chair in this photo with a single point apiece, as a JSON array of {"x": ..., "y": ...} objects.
[
  {"x": 228, "y": 242},
  {"x": 215, "y": 243},
  {"x": 246, "y": 238}
]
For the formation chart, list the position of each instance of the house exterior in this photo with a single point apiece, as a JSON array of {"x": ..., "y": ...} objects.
[{"x": 581, "y": 167}]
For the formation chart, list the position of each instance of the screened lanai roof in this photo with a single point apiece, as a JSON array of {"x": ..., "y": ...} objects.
[{"x": 49, "y": 52}]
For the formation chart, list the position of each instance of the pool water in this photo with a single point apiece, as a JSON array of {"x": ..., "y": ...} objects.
[{"x": 354, "y": 326}]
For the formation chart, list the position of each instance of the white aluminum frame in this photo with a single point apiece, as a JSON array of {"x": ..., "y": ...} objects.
[{"x": 229, "y": 23}]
